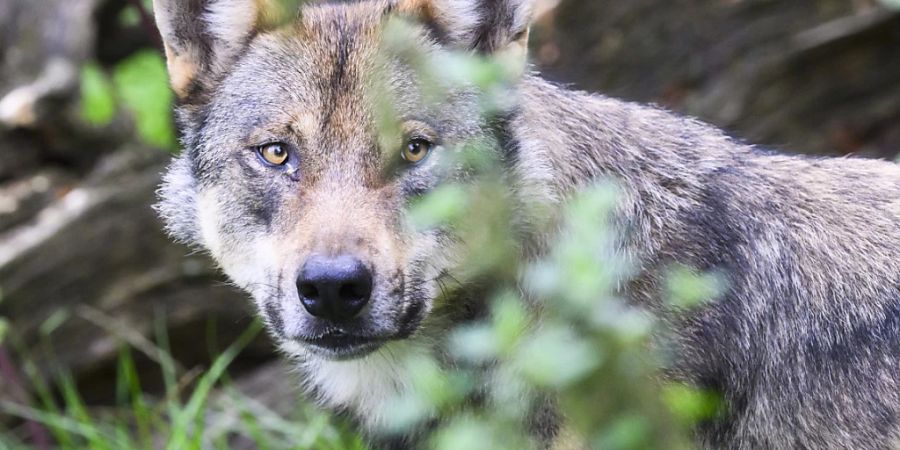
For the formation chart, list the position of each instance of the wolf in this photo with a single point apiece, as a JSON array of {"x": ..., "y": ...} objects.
[{"x": 283, "y": 181}]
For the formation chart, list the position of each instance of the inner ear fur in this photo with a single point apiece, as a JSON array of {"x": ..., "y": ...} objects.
[
  {"x": 485, "y": 26},
  {"x": 202, "y": 37}
]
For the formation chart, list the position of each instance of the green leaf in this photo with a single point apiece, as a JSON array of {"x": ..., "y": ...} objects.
[
  {"x": 463, "y": 434},
  {"x": 53, "y": 322},
  {"x": 691, "y": 405},
  {"x": 98, "y": 101},
  {"x": 688, "y": 289},
  {"x": 557, "y": 357},
  {"x": 130, "y": 16},
  {"x": 510, "y": 320},
  {"x": 627, "y": 432},
  {"x": 142, "y": 83},
  {"x": 475, "y": 343},
  {"x": 442, "y": 206},
  {"x": 402, "y": 413}
]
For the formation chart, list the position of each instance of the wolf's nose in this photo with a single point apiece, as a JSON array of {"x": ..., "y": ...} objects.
[{"x": 334, "y": 288}]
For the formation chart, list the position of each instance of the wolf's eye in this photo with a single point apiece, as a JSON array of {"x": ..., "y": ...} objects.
[
  {"x": 273, "y": 154},
  {"x": 416, "y": 150}
]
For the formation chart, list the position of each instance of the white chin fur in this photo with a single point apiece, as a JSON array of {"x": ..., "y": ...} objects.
[{"x": 368, "y": 386}]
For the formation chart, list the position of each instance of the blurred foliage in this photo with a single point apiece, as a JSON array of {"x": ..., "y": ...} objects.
[
  {"x": 130, "y": 16},
  {"x": 140, "y": 84},
  {"x": 687, "y": 289},
  {"x": 97, "y": 96}
]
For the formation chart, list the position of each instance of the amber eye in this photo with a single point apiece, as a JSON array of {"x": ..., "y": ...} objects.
[
  {"x": 274, "y": 154},
  {"x": 416, "y": 150}
]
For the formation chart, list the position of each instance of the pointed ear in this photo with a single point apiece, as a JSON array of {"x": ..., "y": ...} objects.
[
  {"x": 486, "y": 26},
  {"x": 203, "y": 36}
]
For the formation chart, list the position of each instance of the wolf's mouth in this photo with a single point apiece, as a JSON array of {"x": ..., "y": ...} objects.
[{"x": 340, "y": 345}]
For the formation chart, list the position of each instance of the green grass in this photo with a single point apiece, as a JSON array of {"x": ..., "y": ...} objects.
[{"x": 199, "y": 410}]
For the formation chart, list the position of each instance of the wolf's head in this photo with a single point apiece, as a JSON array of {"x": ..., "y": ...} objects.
[{"x": 287, "y": 178}]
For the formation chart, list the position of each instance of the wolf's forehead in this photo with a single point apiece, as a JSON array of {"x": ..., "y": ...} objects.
[{"x": 318, "y": 70}]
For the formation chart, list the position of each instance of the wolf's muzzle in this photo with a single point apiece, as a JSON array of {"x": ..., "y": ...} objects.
[{"x": 335, "y": 289}]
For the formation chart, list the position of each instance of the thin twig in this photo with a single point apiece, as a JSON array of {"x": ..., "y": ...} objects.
[
  {"x": 39, "y": 434},
  {"x": 124, "y": 331}
]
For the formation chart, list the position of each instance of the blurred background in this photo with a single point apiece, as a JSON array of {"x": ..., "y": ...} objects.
[{"x": 85, "y": 132}]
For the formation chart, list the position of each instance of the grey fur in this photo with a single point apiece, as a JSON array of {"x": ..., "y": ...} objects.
[{"x": 805, "y": 345}]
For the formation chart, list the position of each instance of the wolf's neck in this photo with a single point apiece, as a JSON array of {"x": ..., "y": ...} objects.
[
  {"x": 583, "y": 137},
  {"x": 570, "y": 139}
]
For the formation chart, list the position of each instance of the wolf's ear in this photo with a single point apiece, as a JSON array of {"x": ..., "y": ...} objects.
[
  {"x": 486, "y": 26},
  {"x": 203, "y": 36}
]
